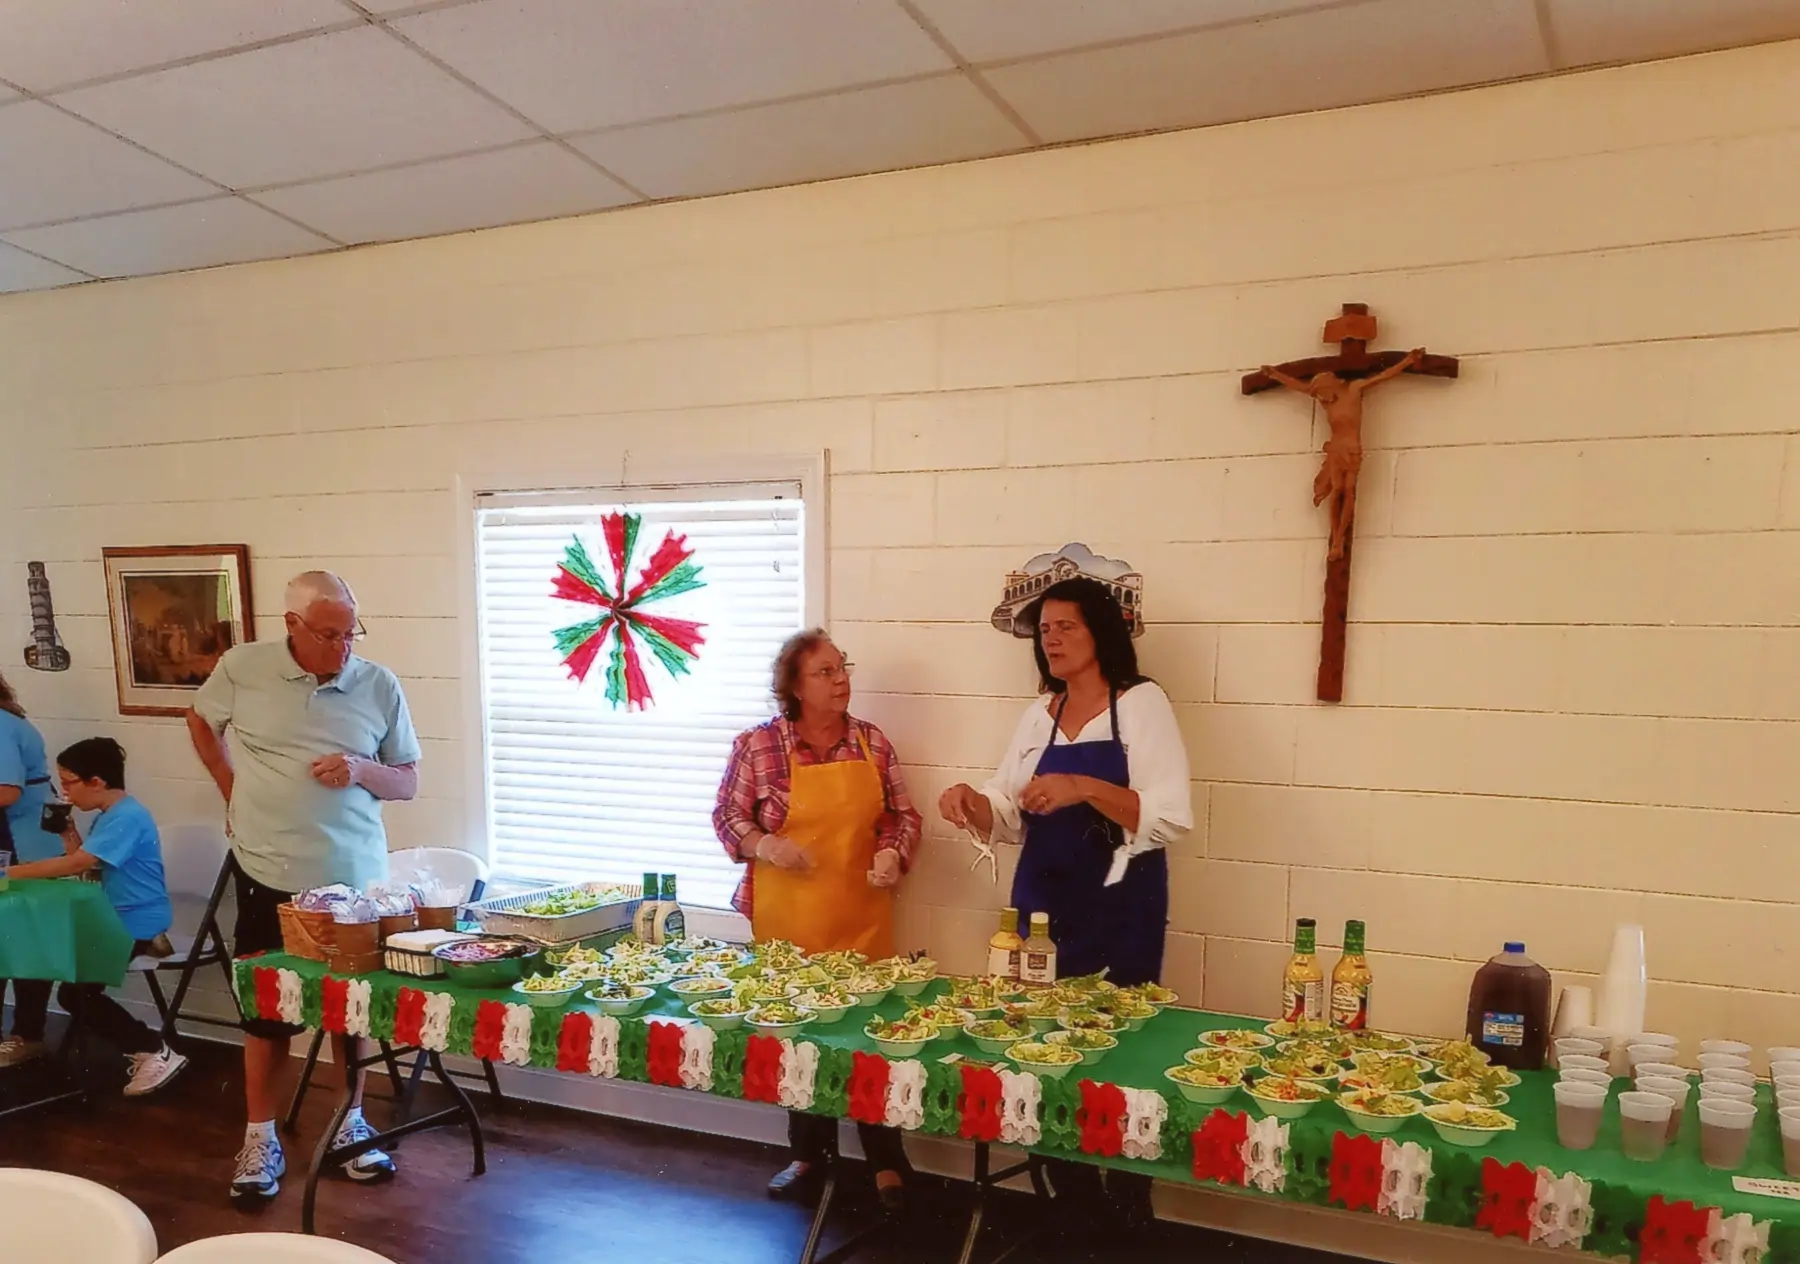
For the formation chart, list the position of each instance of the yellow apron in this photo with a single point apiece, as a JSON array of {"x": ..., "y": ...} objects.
[{"x": 832, "y": 813}]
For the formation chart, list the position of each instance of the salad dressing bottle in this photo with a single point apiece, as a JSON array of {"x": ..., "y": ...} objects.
[
  {"x": 1037, "y": 957},
  {"x": 1005, "y": 947},
  {"x": 644, "y": 924},
  {"x": 1303, "y": 985},
  {"x": 671, "y": 923},
  {"x": 1350, "y": 982}
]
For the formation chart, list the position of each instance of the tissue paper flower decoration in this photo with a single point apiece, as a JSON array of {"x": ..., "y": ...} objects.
[
  {"x": 1405, "y": 1180},
  {"x": 1101, "y": 1119},
  {"x": 1507, "y": 1194},
  {"x": 1672, "y": 1232},
  {"x": 1021, "y": 1094},
  {"x": 906, "y": 1094},
  {"x": 434, "y": 1031},
  {"x": 1145, "y": 1111},
  {"x": 799, "y": 1073},
  {"x": 356, "y": 1008},
  {"x": 1219, "y": 1145},
  {"x": 983, "y": 1098},
  {"x": 1734, "y": 1239},
  {"x": 669, "y": 573},
  {"x": 515, "y": 1035},
  {"x": 1564, "y": 1210},
  {"x": 603, "y": 1054},
  {"x": 697, "y": 1057},
  {"x": 1264, "y": 1154}
]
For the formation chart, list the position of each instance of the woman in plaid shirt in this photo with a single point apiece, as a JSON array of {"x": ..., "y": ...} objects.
[{"x": 813, "y": 803}]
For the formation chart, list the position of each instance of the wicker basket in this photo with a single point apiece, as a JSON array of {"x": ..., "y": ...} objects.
[{"x": 306, "y": 934}]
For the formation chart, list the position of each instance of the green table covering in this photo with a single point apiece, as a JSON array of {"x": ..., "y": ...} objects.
[
  {"x": 1142, "y": 1056},
  {"x": 61, "y": 929}
]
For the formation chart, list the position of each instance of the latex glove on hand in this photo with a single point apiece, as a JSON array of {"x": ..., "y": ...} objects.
[
  {"x": 783, "y": 853},
  {"x": 885, "y": 872},
  {"x": 956, "y": 805}
]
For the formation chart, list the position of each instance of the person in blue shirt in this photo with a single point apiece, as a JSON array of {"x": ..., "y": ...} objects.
[
  {"x": 123, "y": 845},
  {"x": 24, "y": 789}
]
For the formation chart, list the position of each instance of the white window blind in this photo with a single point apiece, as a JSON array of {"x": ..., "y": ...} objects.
[{"x": 576, "y": 788}]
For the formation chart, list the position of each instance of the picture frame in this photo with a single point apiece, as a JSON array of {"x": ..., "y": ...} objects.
[{"x": 174, "y": 611}]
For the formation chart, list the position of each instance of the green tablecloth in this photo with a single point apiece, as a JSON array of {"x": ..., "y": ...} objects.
[
  {"x": 1142, "y": 1057},
  {"x": 61, "y": 929}
]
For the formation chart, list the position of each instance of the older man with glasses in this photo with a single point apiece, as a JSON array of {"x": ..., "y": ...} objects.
[{"x": 305, "y": 741}]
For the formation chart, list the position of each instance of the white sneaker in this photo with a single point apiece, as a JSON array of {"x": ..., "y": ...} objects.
[
  {"x": 150, "y": 1071},
  {"x": 16, "y": 1052},
  {"x": 260, "y": 1167},
  {"x": 375, "y": 1165}
]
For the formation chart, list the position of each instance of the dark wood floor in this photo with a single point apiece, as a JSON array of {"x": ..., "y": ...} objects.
[{"x": 561, "y": 1186}]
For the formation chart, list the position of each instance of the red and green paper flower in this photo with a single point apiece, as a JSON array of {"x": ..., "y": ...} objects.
[{"x": 670, "y": 572}]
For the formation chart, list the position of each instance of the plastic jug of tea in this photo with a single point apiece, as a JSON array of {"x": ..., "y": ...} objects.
[{"x": 1509, "y": 1010}]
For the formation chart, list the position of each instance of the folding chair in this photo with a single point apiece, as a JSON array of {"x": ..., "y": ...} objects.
[
  {"x": 451, "y": 865},
  {"x": 192, "y": 952}
]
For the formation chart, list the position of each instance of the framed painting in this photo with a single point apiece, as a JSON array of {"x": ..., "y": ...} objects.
[{"x": 174, "y": 612}]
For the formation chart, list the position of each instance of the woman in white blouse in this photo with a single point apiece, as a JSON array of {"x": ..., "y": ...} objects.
[{"x": 1095, "y": 786}]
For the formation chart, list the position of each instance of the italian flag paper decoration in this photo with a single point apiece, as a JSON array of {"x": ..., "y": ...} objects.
[{"x": 670, "y": 572}]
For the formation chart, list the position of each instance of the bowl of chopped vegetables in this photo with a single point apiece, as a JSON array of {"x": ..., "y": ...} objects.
[
  {"x": 1285, "y": 1097},
  {"x": 978, "y": 996},
  {"x": 721, "y": 1013},
  {"x": 1471, "y": 1126},
  {"x": 1468, "y": 1092},
  {"x": 1384, "y": 1074},
  {"x": 870, "y": 986},
  {"x": 1091, "y": 1045},
  {"x": 1203, "y": 1087},
  {"x": 1488, "y": 1077},
  {"x": 1377, "y": 1042},
  {"x": 778, "y": 1018},
  {"x": 1232, "y": 1038},
  {"x": 1155, "y": 993},
  {"x": 1090, "y": 1020},
  {"x": 828, "y": 1004},
  {"x": 621, "y": 1000},
  {"x": 1041, "y": 1012},
  {"x": 1128, "y": 1009},
  {"x": 1374, "y": 1111},
  {"x": 697, "y": 987},
  {"x": 547, "y": 991},
  {"x": 900, "y": 1037},
  {"x": 1287, "y": 1029},
  {"x": 486, "y": 961},
  {"x": 1302, "y": 1066},
  {"x": 1049, "y": 1061},
  {"x": 1234, "y": 1061},
  {"x": 913, "y": 977},
  {"x": 945, "y": 1018},
  {"x": 997, "y": 1035}
]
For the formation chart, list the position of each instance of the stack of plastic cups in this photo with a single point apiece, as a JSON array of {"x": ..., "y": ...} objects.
[
  {"x": 1574, "y": 1047},
  {"x": 1784, "y": 1071},
  {"x": 1649, "y": 1046},
  {"x": 1790, "y": 1138},
  {"x": 1675, "y": 1090},
  {"x": 1600, "y": 1036}
]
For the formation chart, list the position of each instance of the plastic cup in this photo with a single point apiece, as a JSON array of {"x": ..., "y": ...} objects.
[
  {"x": 1652, "y": 1038},
  {"x": 1737, "y": 1047},
  {"x": 1783, "y": 1053},
  {"x": 1790, "y": 1139},
  {"x": 1579, "y": 1107},
  {"x": 1726, "y": 1075},
  {"x": 1735, "y": 1092},
  {"x": 1787, "y": 1084},
  {"x": 1644, "y": 1125},
  {"x": 1736, "y": 1061},
  {"x": 1675, "y": 1090},
  {"x": 1666, "y": 1069},
  {"x": 1599, "y": 1035},
  {"x": 1580, "y": 1075},
  {"x": 1571, "y": 1046},
  {"x": 1725, "y": 1132},
  {"x": 1778, "y": 1070},
  {"x": 1581, "y": 1062}
]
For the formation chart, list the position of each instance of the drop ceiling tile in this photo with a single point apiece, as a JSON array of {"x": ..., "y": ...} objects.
[
  {"x": 509, "y": 186},
  {"x": 46, "y": 44},
  {"x": 1589, "y": 31},
  {"x": 871, "y": 129},
  {"x": 576, "y": 64},
  {"x": 56, "y": 167},
  {"x": 20, "y": 271},
  {"x": 171, "y": 239},
  {"x": 1369, "y": 52},
  {"x": 992, "y": 30},
  {"x": 326, "y": 106}
]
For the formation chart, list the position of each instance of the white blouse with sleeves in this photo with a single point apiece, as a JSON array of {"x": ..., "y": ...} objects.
[{"x": 1158, "y": 770}]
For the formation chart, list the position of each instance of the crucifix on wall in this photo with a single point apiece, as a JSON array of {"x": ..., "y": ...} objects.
[{"x": 1338, "y": 383}]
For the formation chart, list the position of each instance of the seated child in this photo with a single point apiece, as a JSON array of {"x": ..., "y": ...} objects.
[{"x": 123, "y": 845}]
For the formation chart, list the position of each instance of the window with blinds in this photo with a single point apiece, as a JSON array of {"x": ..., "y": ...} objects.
[{"x": 578, "y": 788}]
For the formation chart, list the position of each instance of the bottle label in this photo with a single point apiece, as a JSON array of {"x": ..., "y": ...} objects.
[
  {"x": 1350, "y": 1006},
  {"x": 1003, "y": 963},
  {"x": 671, "y": 925},
  {"x": 1038, "y": 967},
  {"x": 1503, "y": 1029},
  {"x": 1303, "y": 1002}
]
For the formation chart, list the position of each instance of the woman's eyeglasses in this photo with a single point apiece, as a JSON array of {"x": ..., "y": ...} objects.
[{"x": 838, "y": 671}]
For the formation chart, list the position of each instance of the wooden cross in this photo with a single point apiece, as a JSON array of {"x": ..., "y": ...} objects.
[{"x": 1339, "y": 382}]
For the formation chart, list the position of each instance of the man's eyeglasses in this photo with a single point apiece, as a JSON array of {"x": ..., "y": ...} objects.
[
  {"x": 355, "y": 634},
  {"x": 838, "y": 671}
]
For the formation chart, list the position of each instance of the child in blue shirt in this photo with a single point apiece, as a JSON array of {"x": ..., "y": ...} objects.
[
  {"x": 24, "y": 789},
  {"x": 123, "y": 845}
]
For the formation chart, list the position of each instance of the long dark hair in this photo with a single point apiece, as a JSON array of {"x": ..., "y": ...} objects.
[
  {"x": 9, "y": 701},
  {"x": 1105, "y": 620}
]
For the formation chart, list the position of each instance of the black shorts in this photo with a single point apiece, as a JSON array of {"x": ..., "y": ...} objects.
[{"x": 259, "y": 930}]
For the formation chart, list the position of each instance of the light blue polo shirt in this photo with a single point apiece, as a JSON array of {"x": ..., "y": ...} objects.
[
  {"x": 125, "y": 842},
  {"x": 21, "y": 763},
  {"x": 290, "y": 832}
]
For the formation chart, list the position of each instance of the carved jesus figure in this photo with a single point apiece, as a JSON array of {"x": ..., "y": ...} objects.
[{"x": 1343, "y": 404}]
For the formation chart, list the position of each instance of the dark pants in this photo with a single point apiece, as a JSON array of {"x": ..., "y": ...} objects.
[
  {"x": 31, "y": 1004},
  {"x": 258, "y": 929},
  {"x": 813, "y": 1138}
]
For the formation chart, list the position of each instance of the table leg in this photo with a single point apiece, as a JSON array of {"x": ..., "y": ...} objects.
[
  {"x": 979, "y": 1210},
  {"x": 816, "y": 1230},
  {"x": 322, "y": 1152}
]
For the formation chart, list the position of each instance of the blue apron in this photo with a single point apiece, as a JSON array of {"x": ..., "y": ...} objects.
[{"x": 1063, "y": 866}]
